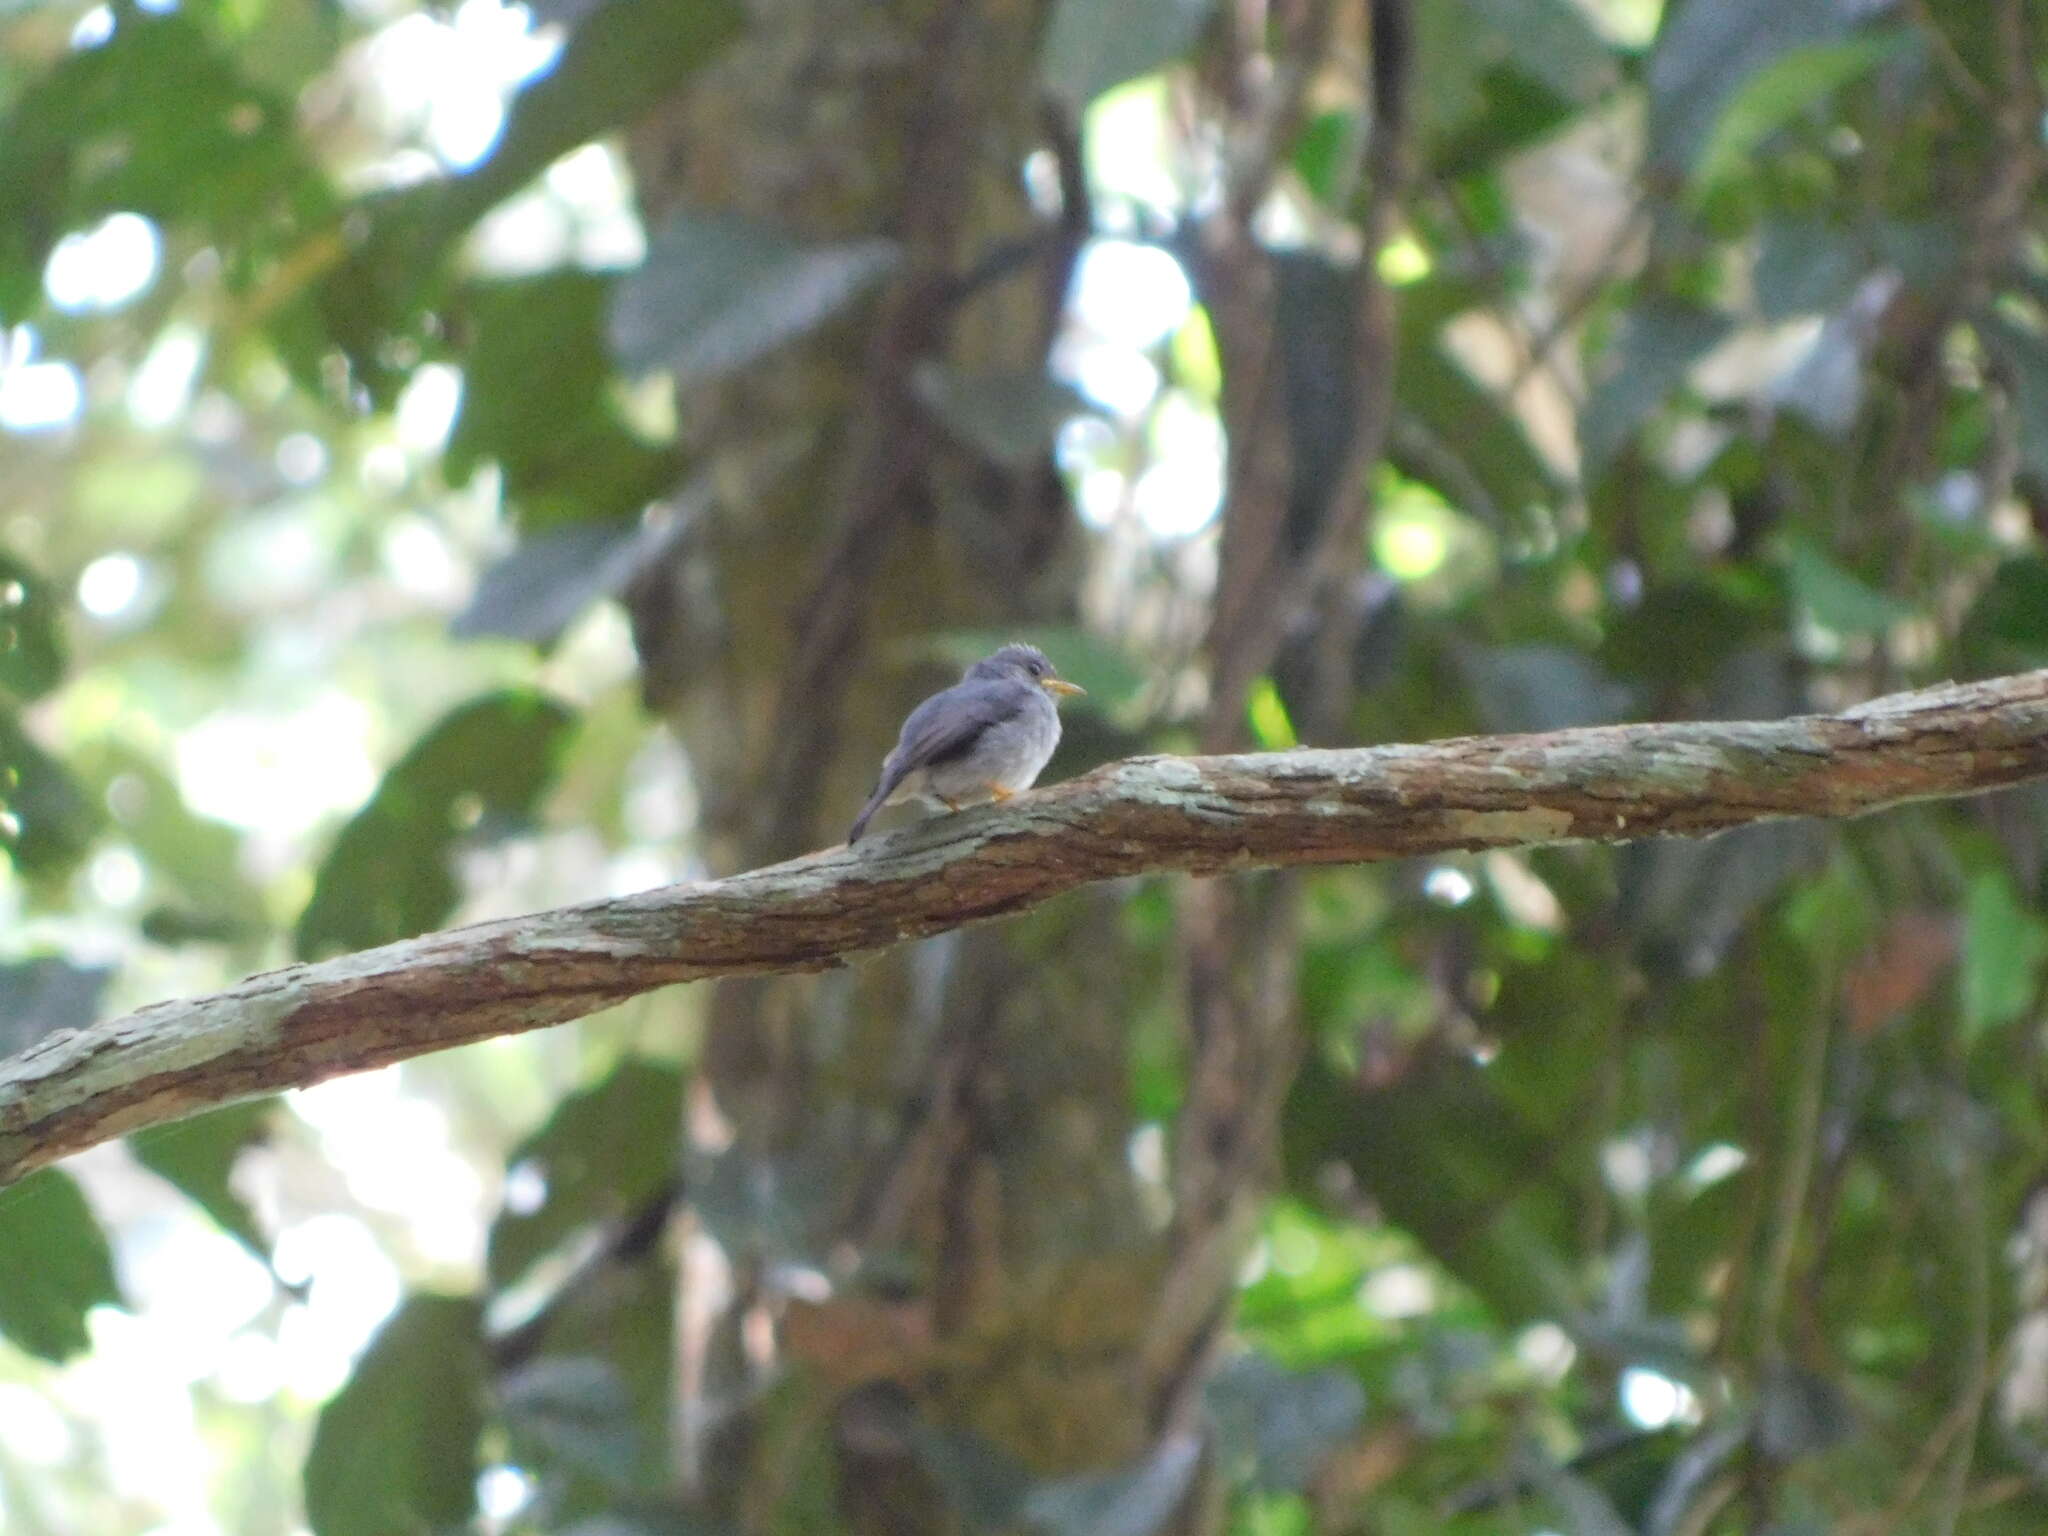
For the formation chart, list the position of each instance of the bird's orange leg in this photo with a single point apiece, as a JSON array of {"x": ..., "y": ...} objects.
[{"x": 999, "y": 793}]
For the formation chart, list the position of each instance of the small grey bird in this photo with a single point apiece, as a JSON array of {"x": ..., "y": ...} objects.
[{"x": 984, "y": 738}]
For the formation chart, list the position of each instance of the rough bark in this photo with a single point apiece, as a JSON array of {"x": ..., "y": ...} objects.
[{"x": 1150, "y": 815}]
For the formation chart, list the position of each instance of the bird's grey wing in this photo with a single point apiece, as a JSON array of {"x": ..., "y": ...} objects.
[{"x": 943, "y": 727}]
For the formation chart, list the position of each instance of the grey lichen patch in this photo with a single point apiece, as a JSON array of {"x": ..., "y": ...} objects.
[
  {"x": 1158, "y": 780},
  {"x": 1537, "y": 824}
]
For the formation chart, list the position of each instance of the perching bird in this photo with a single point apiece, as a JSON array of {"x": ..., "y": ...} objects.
[{"x": 984, "y": 738}]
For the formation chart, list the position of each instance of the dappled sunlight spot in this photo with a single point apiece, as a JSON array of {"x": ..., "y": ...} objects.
[
  {"x": 196, "y": 1287},
  {"x": 1129, "y": 147},
  {"x": 1402, "y": 260},
  {"x": 1408, "y": 548},
  {"x": 1652, "y": 1400},
  {"x": 31, "y": 1427},
  {"x": 93, "y": 28},
  {"x": 1129, "y": 294},
  {"x": 110, "y": 585},
  {"x": 38, "y": 397},
  {"x": 116, "y": 876},
  {"x": 1448, "y": 886},
  {"x": 394, "y": 1150},
  {"x": 419, "y": 560},
  {"x": 352, "y": 1286},
  {"x": 1121, "y": 381},
  {"x": 160, "y": 389},
  {"x": 134, "y": 1386},
  {"x": 283, "y": 773},
  {"x": 103, "y": 267},
  {"x": 427, "y": 407},
  {"x": 448, "y": 80},
  {"x": 1715, "y": 1163},
  {"x": 301, "y": 458},
  {"x": 248, "y": 1367},
  {"x": 502, "y": 1493},
  {"x": 1546, "y": 1351},
  {"x": 1398, "y": 1291},
  {"x": 1181, "y": 491}
]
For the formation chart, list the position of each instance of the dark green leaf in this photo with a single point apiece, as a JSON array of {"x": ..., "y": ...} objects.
[
  {"x": 1315, "y": 321},
  {"x": 575, "y": 1410},
  {"x": 604, "y": 1152},
  {"x": 31, "y": 640},
  {"x": 718, "y": 291},
  {"x": 478, "y": 772},
  {"x": 2007, "y": 627},
  {"x": 395, "y": 1450},
  {"x": 623, "y": 57},
  {"x": 1647, "y": 359},
  {"x": 46, "y": 993},
  {"x": 1282, "y": 1423},
  {"x": 1705, "y": 52},
  {"x": 1799, "y": 1413},
  {"x": 1540, "y": 688},
  {"x": 46, "y": 822},
  {"x": 1011, "y": 417},
  {"x": 1135, "y": 1501},
  {"x": 1778, "y": 92},
  {"x": 153, "y": 121},
  {"x": 1091, "y": 45},
  {"x": 538, "y": 400},
  {"x": 1553, "y": 43},
  {"x": 2004, "y": 945},
  {"x": 1685, "y": 902},
  {"x": 1680, "y": 633},
  {"x": 1836, "y": 600},
  {"x": 2023, "y": 354},
  {"x": 198, "y": 1156},
  {"x": 545, "y": 584},
  {"x": 54, "y": 1266}
]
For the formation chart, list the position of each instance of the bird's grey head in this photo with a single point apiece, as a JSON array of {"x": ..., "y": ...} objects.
[{"x": 1025, "y": 663}]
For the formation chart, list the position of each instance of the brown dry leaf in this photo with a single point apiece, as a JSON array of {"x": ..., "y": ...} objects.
[{"x": 1896, "y": 971}]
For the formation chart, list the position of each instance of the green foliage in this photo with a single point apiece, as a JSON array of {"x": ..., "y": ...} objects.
[
  {"x": 54, "y": 1266},
  {"x": 396, "y": 1449},
  {"x": 198, "y": 1156},
  {"x": 478, "y": 773},
  {"x": 1091, "y": 45},
  {"x": 716, "y": 292},
  {"x": 603, "y": 1153}
]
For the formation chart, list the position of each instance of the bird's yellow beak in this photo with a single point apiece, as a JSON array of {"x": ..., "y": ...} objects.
[{"x": 1060, "y": 685}]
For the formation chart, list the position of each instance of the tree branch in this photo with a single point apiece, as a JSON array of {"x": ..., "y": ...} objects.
[{"x": 1147, "y": 815}]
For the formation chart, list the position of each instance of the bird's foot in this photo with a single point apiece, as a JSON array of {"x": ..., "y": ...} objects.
[{"x": 999, "y": 792}]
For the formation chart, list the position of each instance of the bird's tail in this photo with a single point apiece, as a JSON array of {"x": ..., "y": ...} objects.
[{"x": 875, "y": 803}]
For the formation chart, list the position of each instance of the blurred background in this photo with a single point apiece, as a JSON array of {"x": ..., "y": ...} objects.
[{"x": 457, "y": 460}]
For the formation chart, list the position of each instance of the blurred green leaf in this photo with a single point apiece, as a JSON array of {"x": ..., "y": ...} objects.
[
  {"x": 548, "y": 582},
  {"x": 1091, "y": 45},
  {"x": 2023, "y": 354},
  {"x": 395, "y": 1450},
  {"x": 1705, "y": 52},
  {"x": 1771, "y": 97},
  {"x": 622, "y": 58},
  {"x": 1011, "y": 417},
  {"x": 718, "y": 291},
  {"x": 1646, "y": 360},
  {"x": 44, "y": 994},
  {"x": 198, "y": 1156},
  {"x": 2004, "y": 945},
  {"x": 604, "y": 1152},
  {"x": 539, "y": 400},
  {"x": 31, "y": 636},
  {"x": 1449, "y": 1159},
  {"x": 46, "y": 822},
  {"x": 1540, "y": 688},
  {"x": 2007, "y": 627},
  {"x": 1681, "y": 633},
  {"x": 1837, "y": 600},
  {"x": 155, "y": 121},
  {"x": 575, "y": 1410},
  {"x": 1553, "y": 43},
  {"x": 54, "y": 1266},
  {"x": 1134, "y": 1501},
  {"x": 1804, "y": 266},
  {"x": 477, "y": 772},
  {"x": 1685, "y": 901},
  {"x": 1315, "y": 323},
  {"x": 1281, "y": 1424}
]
